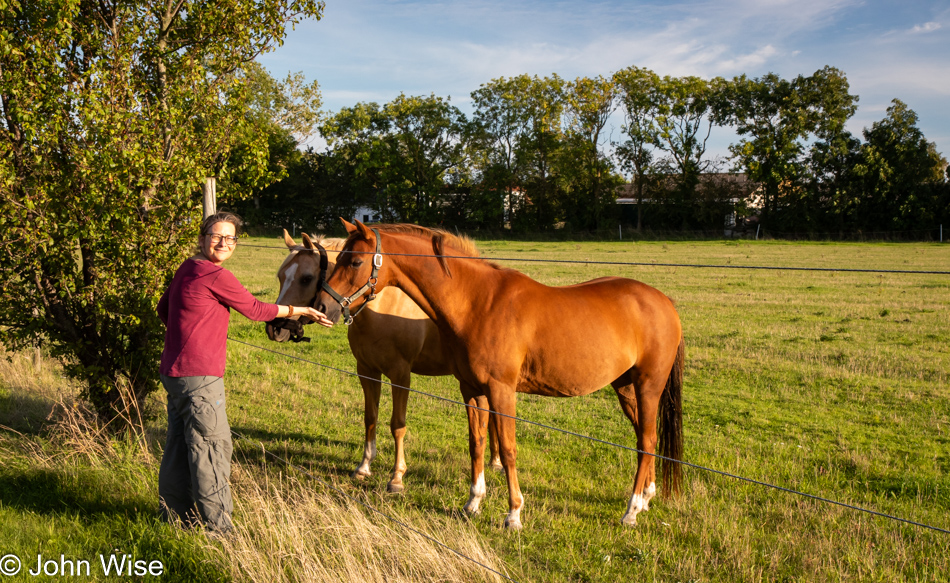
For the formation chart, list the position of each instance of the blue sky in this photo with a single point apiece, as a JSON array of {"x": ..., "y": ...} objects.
[{"x": 371, "y": 50}]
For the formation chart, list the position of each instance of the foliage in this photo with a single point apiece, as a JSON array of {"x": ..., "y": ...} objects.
[
  {"x": 413, "y": 145},
  {"x": 899, "y": 172},
  {"x": 534, "y": 157},
  {"x": 522, "y": 119},
  {"x": 589, "y": 179},
  {"x": 777, "y": 115},
  {"x": 637, "y": 90},
  {"x": 112, "y": 114},
  {"x": 279, "y": 116}
]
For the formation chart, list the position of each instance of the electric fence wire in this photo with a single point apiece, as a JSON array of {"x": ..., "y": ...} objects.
[
  {"x": 647, "y": 264},
  {"x": 326, "y": 483},
  {"x": 608, "y": 443}
]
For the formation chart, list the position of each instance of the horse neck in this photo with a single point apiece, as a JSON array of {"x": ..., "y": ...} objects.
[{"x": 443, "y": 298}]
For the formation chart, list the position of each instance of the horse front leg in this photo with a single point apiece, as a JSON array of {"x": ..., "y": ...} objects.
[
  {"x": 370, "y": 380},
  {"x": 503, "y": 405},
  {"x": 477, "y": 411},
  {"x": 398, "y": 427}
]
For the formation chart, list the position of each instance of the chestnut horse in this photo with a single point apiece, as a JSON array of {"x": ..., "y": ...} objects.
[
  {"x": 507, "y": 333},
  {"x": 392, "y": 337}
]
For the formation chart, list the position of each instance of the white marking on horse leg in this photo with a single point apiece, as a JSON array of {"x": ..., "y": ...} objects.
[
  {"x": 369, "y": 454},
  {"x": 288, "y": 282},
  {"x": 648, "y": 493},
  {"x": 513, "y": 520},
  {"x": 636, "y": 505},
  {"x": 476, "y": 493}
]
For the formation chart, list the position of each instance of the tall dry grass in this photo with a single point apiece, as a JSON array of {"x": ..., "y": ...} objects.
[{"x": 292, "y": 531}]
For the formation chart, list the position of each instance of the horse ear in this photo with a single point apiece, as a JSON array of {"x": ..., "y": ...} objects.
[
  {"x": 364, "y": 230},
  {"x": 307, "y": 242},
  {"x": 350, "y": 227},
  {"x": 288, "y": 241}
]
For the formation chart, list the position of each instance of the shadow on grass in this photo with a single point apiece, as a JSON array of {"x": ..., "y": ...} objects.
[
  {"x": 297, "y": 448},
  {"x": 25, "y": 413},
  {"x": 85, "y": 490}
]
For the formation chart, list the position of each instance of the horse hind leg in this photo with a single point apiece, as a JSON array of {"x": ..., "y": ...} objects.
[
  {"x": 397, "y": 425},
  {"x": 494, "y": 457},
  {"x": 642, "y": 414},
  {"x": 370, "y": 381}
]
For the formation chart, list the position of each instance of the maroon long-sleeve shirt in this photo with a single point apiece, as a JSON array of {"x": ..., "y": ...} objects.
[{"x": 196, "y": 309}]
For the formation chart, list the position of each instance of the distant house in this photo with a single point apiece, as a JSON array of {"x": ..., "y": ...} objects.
[
  {"x": 365, "y": 214},
  {"x": 732, "y": 188}
]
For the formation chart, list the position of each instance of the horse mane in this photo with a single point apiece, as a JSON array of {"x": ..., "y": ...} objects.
[
  {"x": 460, "y": 242},
  {"x": 439, "y": 237},
  {"x": 330, "y": 244}
]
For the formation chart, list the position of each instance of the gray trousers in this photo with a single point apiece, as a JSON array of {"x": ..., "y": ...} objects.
[{"x": 196, "y": 465}]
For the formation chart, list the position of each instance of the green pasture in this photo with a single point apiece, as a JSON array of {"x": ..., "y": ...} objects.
[{"x": 830, "y": 383}]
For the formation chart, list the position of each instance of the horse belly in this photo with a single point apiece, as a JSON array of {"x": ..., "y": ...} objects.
[
  {"x": 584, "y": 352},
  {"x": 578, "y": 372}
]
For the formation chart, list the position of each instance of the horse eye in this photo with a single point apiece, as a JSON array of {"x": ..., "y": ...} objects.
[
  {"x": 306, "y": 280},
  {"x": 357, "y": 264}
]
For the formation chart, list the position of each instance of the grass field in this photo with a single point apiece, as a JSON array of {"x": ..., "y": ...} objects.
[{"x": 830, "y": 383}]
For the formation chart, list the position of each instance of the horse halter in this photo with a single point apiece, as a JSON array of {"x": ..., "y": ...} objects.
[
  {"x": 295, "y": 327},
  {"x": 369, "y": 286}
]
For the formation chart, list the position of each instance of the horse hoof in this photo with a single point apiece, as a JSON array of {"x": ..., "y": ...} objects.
[
  {"x": 361, "y": 475},
  {"x": 513, "y": 524},
  {"x": 496, "y": 465},
  {"x": 471, "y": 509},
  {"x": 395, "y": 488}
]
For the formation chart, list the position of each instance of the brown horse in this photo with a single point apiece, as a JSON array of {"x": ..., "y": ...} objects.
[
  {"x": 392, "y": 337},
  {"x": 508, "y": 334}
]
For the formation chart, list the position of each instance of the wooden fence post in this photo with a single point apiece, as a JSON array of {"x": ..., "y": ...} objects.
[{"x": 210, "y": 199}]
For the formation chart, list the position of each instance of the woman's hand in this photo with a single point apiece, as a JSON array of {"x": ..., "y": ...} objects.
[{"x": 313, "y": 314}]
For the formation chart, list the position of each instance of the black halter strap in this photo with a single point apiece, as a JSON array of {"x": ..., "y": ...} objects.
[{"x": 369, "y": 286}]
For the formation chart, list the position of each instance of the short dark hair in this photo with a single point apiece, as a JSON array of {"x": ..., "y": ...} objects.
[{"x": 222, "y": 217}]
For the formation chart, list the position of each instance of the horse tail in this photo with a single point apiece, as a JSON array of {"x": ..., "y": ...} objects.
[{"x": 670, "y": 425}]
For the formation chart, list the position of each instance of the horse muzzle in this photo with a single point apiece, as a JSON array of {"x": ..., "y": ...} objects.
[
  {"x": 284, "y": 329},
  {"x": 330, "y": 308}
]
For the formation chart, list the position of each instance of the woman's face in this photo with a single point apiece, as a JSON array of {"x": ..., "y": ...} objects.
[{"x": 218, "y": 243}]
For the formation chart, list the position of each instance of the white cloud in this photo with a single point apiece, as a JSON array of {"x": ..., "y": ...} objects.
[
  {"x": 751, "y": 61},
  {"x": 928, "y": 27}
]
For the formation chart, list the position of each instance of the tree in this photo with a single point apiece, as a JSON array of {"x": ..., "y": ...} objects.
[
  {"x": 500, "y": 124},
  {"x": 414, "y": 145},
  {"x": 830, "y": 192},
  {"x": 684, "y": 123},
  {"x": 637, "y": 92},
  {"x": 280, "y": 117},
  {"x": 112, "y": 114},
  {"x": 900, "y": 172},
  {"x": 542, "y": 106},
  {"x": 588, "y": 177},
  {"x": 778, "y": 115}
]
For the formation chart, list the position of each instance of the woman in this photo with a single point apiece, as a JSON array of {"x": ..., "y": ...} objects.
[{"x": 193, "y": 479}]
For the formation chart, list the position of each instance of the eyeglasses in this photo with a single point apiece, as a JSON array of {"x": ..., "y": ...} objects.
[{"x": 229, "y": 240}]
